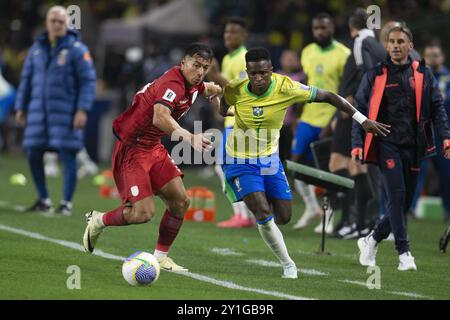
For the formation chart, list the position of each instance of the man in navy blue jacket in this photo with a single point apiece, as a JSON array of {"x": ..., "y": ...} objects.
[
  {"x": 56, "y": 91},
  {"x": 405, "y": 95}
]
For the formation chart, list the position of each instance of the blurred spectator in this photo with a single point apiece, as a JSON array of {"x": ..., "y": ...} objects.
[
  {"x": 290, "y": 66},
  {"x": 435, "y": 58},
  {"x": 323, "y": 62},
  {"x": 7, "y": 96},
  {"x": 56, "y": 91},
  {"x": 367, "y": 51}
]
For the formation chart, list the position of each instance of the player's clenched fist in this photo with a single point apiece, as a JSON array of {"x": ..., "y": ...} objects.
[{"x": 201, "y": 141}]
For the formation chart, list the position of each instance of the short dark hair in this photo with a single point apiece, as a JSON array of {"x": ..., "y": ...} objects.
[
  {"x": 200, "y": 49},
  {"x": 358, "y": 19},
  {"x": 257, "y": 54},
  {"x": 434, "y": 43},
  {"x": 403, "y": 29},
  {"x": 237, "y": 20},
  {"x": 323, "y": 15}
]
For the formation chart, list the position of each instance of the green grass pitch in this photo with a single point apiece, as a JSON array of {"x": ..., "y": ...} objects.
[{"x": 36, "y": 250}]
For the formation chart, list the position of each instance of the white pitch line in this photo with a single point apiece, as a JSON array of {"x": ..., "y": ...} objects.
[
  {"x": 359, "y": 283},
  {"x": 398, "y": 293},
  {"x": 409, "y": 294},
  {"x": 266, "y": 263},
  {"x": 226, "y": 252},
  {"x": 221, "y": 283}
]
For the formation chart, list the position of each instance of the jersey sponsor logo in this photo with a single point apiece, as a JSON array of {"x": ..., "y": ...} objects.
[
  {"x": 258, "y": 111},
  {"x": 134, "y": 191},
  {"x": 390, "y": 164},
  {"x": 194, "y": 96},
  {"x": 242, "y": 74},
  {"x": 169, "y": 95}
]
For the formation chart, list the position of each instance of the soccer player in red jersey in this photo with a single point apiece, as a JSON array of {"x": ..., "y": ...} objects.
[{"x": 142, "y": 166}]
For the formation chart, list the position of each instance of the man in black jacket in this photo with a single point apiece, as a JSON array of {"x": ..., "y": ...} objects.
[
  {"x": 404, "y": 94},
  {"x": 367, "y": 51}
]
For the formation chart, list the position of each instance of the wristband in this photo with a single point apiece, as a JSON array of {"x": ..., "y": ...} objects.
[{"x": 359, "y": 117}]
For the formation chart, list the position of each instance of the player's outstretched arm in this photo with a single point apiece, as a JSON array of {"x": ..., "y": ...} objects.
[
  {"x": 369, "y": 125},
  {"x": 163, "y": 120},
  {"x": 212, "y": 90}
]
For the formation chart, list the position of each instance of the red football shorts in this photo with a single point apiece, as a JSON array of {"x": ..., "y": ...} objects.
[{"x": 140, "y": 173}]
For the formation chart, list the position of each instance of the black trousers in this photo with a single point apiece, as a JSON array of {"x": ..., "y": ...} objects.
[{"x": 399, "y": 170}]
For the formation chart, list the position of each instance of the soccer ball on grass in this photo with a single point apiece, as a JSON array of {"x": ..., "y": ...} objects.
[{"x": 141, "y": 269}]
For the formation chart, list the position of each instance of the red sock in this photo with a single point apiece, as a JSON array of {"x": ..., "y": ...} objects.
[
  {"x": 115, "y": 217},
  {"x": 168, "y": 230}
]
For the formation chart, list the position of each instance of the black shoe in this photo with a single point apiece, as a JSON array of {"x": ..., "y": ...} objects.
[
  {"x": 42, "y": 206},
  {"x": 343, "y": 231},
  {"x": 65, "y": 208},
  {"x": 443, "y": 242}
]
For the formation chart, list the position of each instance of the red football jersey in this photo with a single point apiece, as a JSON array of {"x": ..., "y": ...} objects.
[{"x": 135, "y": 125}]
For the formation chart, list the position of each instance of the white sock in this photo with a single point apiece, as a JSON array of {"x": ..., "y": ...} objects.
[
  {"x": 100, "y": 219},
  {"x": 159, "y": 254},
  {"x": 240, "y": 209},
  {"x": 47, "y": 201},
  {"x": 273, "y": 237},
  {"x": 246, "y": 213},
  {"x": 221, "y": 175},
  {"x": 308, "y": 194}
]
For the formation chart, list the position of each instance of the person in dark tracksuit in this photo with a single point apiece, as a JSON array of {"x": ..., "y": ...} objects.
[
  {"x": 56, "y": 91},
  {"x": 367, "y": 51},
  {"x": 404, "y": 94}
]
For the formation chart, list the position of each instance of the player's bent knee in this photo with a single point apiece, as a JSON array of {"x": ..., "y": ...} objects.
[
  {"x": 143, "y": 214},
  {"x": 179, "y": 207},
  {"x": 283, "y": 219}
]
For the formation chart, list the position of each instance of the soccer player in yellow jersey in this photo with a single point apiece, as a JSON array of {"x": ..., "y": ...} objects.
[
  {"x": 233, "y": 67},
  {"x": 252, "y": 166},
  {"x": 323, "y": 62}
]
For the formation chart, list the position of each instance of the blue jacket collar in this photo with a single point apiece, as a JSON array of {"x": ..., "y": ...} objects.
[{"x": 68, "y": 39}]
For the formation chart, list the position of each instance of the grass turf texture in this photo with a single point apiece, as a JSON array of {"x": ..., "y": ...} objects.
[{"x": 36, "y": 269}]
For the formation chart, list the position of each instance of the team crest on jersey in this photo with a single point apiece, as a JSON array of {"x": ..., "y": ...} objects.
[
  {"x": 62, "y": 57},
  {"x": 258, "y": 111}
]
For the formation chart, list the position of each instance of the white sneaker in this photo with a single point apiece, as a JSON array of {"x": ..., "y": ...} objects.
[
  {"x": 92, "y": 231},
  {"x": 290, "y": 272},
  {"x": 406, "y": 262},
  {"x": 390, "y": 237},
  {"x": 328, "y": 225},
  {"x": 168, "y": 264},
  {"x": 306, "y": 218},
  {"x": 87, "y": 169},
  {"x": 367, "y": 251}
]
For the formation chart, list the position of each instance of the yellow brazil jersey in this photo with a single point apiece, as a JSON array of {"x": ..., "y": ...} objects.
[
  {"x": 324, "y": 69},
  {"x": 260, "y": 118},
  {"x": 233, "y": 66}
]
